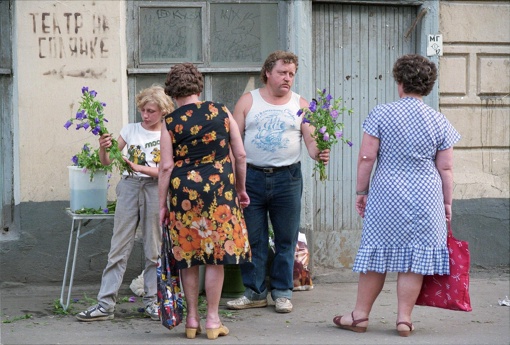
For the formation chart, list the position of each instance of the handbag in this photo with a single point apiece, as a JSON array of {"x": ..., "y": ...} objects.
[
  {"x": 169, "y": 287},
  {"x": 449, "y": 291}
]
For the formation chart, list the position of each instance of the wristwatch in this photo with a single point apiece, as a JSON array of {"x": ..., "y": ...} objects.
[{"x": 363, "y": 192}]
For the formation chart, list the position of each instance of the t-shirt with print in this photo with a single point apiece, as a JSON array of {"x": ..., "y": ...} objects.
[{"x": 142, "y": 146}]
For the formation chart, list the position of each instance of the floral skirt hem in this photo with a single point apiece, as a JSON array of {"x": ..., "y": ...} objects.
[{"x": 227, "y": 260}]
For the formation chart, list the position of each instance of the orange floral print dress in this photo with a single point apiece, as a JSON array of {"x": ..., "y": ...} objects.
[{"x": 206, "y": 221}]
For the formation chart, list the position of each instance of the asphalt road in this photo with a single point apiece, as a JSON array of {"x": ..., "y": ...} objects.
[{"x": 29, "y": 317}]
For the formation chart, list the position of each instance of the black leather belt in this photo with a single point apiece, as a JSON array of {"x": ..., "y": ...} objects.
[{"x": 269, "y": 170}]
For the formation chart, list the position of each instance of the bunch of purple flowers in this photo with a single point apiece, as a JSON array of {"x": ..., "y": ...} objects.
[
  {"x": 90, "y": 117},
  {"x": 323, "y": 113}
]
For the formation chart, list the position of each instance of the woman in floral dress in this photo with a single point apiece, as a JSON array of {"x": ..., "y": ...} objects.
[{"x": 201, "y": 197}]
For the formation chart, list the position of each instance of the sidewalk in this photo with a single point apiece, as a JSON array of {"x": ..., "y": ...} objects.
[{"x": 309, "y": 323}]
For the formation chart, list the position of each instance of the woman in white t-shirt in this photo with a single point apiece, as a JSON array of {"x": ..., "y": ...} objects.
[{"x": 137, "y": 204}]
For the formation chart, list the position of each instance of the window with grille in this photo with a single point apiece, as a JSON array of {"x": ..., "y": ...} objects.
[{"x": 227, "y": 40}]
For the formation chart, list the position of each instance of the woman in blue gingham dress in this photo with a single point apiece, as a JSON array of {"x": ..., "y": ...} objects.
[{"x": 409, "y": 200}]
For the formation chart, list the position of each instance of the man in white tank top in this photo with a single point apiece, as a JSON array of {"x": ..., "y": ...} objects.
[{"x": 267, "y": 117}]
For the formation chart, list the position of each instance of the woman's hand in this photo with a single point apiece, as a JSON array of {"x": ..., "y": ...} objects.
[
  {"x": 105, "y": 140},
  {"x": 244, "y": 199},
  {"x": 448, "y": 212},
  {"x": 134, "y": 167},
  {"x": 361, "y": 202},
  {"x": 163, "y": 216}
]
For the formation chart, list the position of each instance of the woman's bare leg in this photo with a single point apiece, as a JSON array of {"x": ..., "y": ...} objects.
[
  {"x": 214, "y": 275},
  {"x": 370, "y": 285},
  {"x": 190, "y": 283},
  {"x": 408, "y": 289}
]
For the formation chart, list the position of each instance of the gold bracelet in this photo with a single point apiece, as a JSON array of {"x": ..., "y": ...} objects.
[{"x": 363, "y": 192}]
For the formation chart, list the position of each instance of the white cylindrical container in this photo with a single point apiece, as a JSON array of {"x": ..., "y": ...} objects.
[{"x": 87, "y": 192}]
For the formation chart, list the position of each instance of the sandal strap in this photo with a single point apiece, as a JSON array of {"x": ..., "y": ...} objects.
[
  {"x": 410, "y": 325},
  {"x": 355, "y": 322}
]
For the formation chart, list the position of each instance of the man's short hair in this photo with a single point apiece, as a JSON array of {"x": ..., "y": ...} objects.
[{"x": 286, "y": 57}]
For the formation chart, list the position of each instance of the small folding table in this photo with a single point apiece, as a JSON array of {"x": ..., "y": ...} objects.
[{"x": 78, "y": 221}]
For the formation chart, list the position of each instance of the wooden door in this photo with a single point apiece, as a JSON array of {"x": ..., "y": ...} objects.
[{"x": 355, "y": 47}]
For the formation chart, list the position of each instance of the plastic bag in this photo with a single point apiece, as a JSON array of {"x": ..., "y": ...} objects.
[
  {"x": 302, "y": 276},
  {"x": 137, "y": 285}
]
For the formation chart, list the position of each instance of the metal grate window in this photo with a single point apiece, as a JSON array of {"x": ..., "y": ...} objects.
[{"x": 227, "y": 40}]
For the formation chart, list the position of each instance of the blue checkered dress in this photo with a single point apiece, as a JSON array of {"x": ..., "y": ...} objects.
[{"x": 404, "y": 228}]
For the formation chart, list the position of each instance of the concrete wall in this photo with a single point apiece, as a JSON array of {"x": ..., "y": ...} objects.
[
  {"x": 474, "y": 94},
  {"x": 63, "y": 46},
  {"x": 39, "y": 255},
  {"x": 59, "y": 47}
]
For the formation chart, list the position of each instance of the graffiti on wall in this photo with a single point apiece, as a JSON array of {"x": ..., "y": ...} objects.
[{"x": 70, "y": 35}]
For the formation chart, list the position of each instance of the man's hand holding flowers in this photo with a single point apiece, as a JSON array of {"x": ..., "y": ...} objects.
[
  {"x": 322, "y": 114},
  {"x": 323, "y": 156}
]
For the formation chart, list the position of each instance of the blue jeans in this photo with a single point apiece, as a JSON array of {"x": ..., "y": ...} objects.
[{"x": 276, "y": 197}]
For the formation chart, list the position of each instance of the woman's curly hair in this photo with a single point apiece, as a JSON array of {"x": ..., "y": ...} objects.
[
  {"x": 184, "y": 80},
  {"x": 416, "y": 73}
]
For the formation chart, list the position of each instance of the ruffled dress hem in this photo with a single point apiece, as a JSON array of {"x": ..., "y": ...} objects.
[{"x": 419, "y": 260}]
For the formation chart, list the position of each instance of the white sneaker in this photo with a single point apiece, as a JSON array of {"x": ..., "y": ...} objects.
[
  {"x": 95, "y": 313},
  {"x": 152, "y": 310},
  {"x": 245, "y": 303},
  {"x": 283, "y": 305}
]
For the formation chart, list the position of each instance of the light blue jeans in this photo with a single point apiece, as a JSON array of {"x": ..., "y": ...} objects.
[{"x": 276, "y": 197}]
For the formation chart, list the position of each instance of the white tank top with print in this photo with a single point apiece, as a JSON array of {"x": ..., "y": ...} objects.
[{"x": 272, "y": 135}]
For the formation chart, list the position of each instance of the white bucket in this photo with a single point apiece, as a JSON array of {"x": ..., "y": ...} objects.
[{"x": 87, "y": 193}]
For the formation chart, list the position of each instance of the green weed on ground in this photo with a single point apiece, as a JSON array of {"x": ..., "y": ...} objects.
[
  {"x": 76, "y": 305},
  {"x": 17, "y": 318},
  {"x": 71, "y": 309}
]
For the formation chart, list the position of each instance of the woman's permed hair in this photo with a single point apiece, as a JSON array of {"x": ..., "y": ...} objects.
[
  {"x": 286, "y": 57},
  {"x": 184, "y": 80},
  {"x": 155, "y": 94},
  {"x": 416, "y": 73}
]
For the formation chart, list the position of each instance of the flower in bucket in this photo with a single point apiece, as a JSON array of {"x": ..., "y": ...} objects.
[
  {"x": 323, "y": 113},
  {"x": 90, "y": 117},
  {"x": 89, "y": 159}
]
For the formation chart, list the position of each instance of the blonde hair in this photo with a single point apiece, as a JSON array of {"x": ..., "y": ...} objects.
[{"x": 155, "y": 94}]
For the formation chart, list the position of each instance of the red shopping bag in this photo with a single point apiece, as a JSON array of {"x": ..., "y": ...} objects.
[{"x": 449, "y": 291}]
